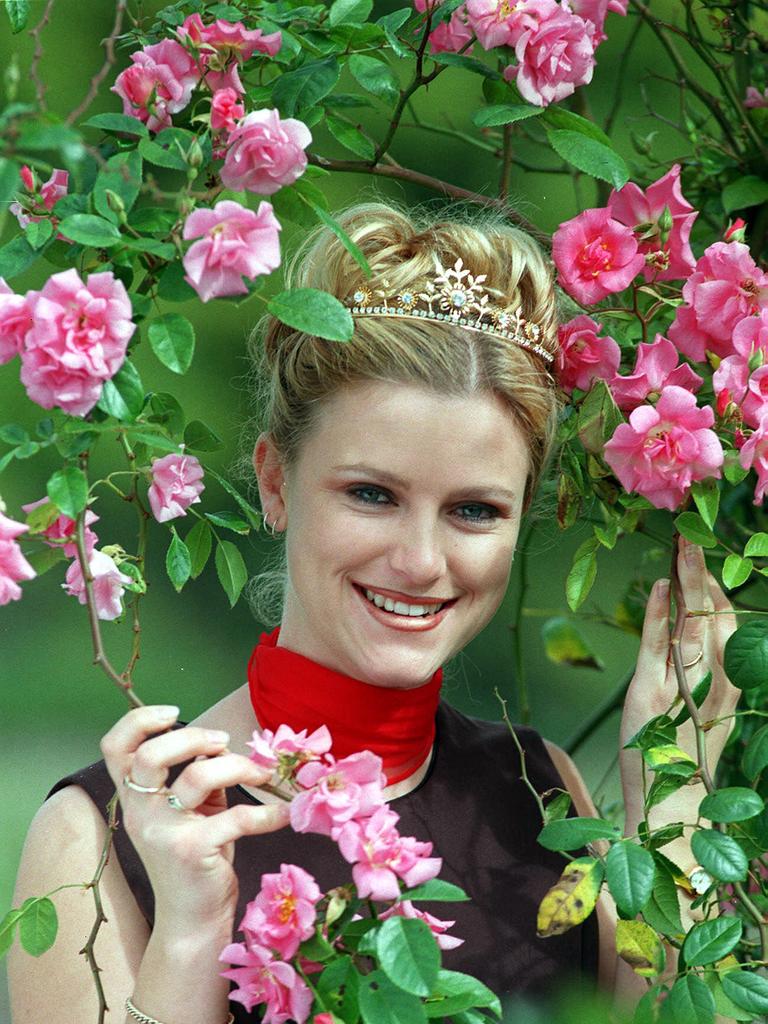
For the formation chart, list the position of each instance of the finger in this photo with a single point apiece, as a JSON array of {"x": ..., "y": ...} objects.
[
  {"x": 129, "y": 732},
  {"x": 201, "y": 778},
  {"x": 152, "y": 760},
  {"x": 246, "y": 820},
  {"x": 654, "y": 642},
  {"x": 692, "y": 572},
  {"x": 725, "y": 619}
]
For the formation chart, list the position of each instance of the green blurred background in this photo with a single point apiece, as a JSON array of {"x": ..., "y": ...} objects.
[{"x": 54, "y": 704}]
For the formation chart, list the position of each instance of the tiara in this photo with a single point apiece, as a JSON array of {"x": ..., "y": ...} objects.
[{"x": 456, "y": 296}]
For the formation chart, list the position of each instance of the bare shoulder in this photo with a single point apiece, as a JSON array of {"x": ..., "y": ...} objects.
[
  {"x": 573, "y": 780},
  {"x": 62, "y": 848}
]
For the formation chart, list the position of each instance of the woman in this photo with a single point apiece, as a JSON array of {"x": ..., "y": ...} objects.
[{"x": 398, "y": 466}]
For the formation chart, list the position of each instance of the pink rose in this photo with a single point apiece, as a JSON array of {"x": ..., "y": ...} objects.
[
  {"x": 234, "y": 243},
  {"x": 283, "y": 913},
  {"x": 108, "y": 584},
  {"x": 78, "y": 339},
  {"x": 498, "y": 24},
  {"x": 159, "y": 83},
  {"x": 404, "y": 908},
  {"x": 337, "y": 791},
  {"x": 15, "y": 321},
  {"x": 582, "y": 356},
  {"x": 13, "y": 564},
  {"x": 656, "y": 366},
  {"x": 50, "y": 193},
  {"x": 755, "y": 402},
  {"x": 725, "y": 287},
  {"x": 754, "y": 455},
  {"x": 594, "y": 13},
  {"x": 755, "y": 98},
  {"x": 595, "y": 255},
  {"x": 287, "y": 748},
  {"x": 223, "y": 45},
  {"x": 264, "y": 153},
  {"x": 664, "y": 449},
  {"x": 176, "y": 484},
  {"x": 451, "y": 35},
  {"x": 225, "y": 110},
  {"x": 62, "y": 530},
  {"x": 263, "y": 979},
  {"x": 641, "y": 211},
  {"x": 750, "y": 338},
  {"x": 554, "y": 56}
]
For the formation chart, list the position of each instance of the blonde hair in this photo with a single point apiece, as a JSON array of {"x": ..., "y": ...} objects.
[{"x": 296, "y": 373}]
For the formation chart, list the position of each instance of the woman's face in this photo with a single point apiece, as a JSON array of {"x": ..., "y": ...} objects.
[{"x": 402, "y": 512}]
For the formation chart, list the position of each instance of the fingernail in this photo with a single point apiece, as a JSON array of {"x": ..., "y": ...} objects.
[
  {"x": 217, "y": 736},
  {"x": 167, "y": 712},
  {"x": 662, "y": 588}
]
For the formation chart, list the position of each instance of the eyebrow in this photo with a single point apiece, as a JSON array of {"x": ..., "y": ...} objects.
[{"x": 475, "y": 490}]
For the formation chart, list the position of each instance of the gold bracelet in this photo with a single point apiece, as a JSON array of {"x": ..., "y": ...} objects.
[{"x": 144, "y": 1019}]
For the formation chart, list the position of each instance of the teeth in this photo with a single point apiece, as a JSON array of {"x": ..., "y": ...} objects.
[{"x": 401, "y": 607}]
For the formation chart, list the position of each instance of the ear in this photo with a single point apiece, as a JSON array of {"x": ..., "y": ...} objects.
[{"x": 270, "y": 474}]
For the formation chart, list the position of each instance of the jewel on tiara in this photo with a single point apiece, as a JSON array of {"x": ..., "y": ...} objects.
[{"x": 453, "y": 295}]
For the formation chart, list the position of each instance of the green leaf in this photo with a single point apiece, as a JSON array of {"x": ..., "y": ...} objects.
[
  {"x": 305, "y": 86},
  {"x": 118, "y": 123},
  {"x": 590, "y": 156},
  {"x": 690, "y": 1001},
  {"x": 734, "y": 803},
  {"x": 37, "y": 233},
  {"x": 733, "y": 471},
  {"x": 381, "y": 1002},
  {"x": 172, "y": 286},
  {"x": 139, "y": 584},
  {"x": 157, "y": 441},
  {"x": 571, "y": 833},
  {"x": 699, "y": 694},
  {"x": 15, "y": 257},
  {"x": 757, "y": 546},
  {"x": 598, "y": 417},
  {"x": 123, "y": 396},
  {"x": 342, "y": 236},
  {"x": 436, "y": 890},
  {"x": 710, "y": 941},
  {"x": 736, "y": 570},
  {"x": 755, "y": 756},
  {"x": 408, "y": 954},
  {"x": 338, "y": 987},
  {"x": 560, "y": 118},
  {"x": 640, "y": 947},
  {"x": 557, "y": 808},
  {"x": 706, "y": 494},
  {"x": 169, "y": 155},
  {"x": 723, "y": 1005},
  {"x": 231, "y": 570},
  {"x": 374, "y": 76},
  {"x": 746, "y": 989},
  {"x": 18, "y": 14},
  {"x": 38, "y": 925},
  {"x": 720, "y": 855},
  {"x": 68, "y": 490},
  {"x": 662, "y": 911},
  {"x": 350, "y": 137},
  {"x": 13, "y": 433},
  {"x": 172, "y": 338},
  {"x": 313, "y": 312},
  {"x": 199, "y": 542},
  {"x": 565, "y": 645},
  {"x": 391, "y": 23},
  {"x": 670, "y": 759},
  {"x": 662, "y": 787},
  {"x": 693, "y": 528},
  {"x": 8, "y": 930},
  {"x": 201, "y": 438},
  {"x": 454, "y": 992},
  {"x": 349, "y": 12},
  {"x": 504, "y": 113},
  {"x": 229, "y": 521},
  {"x": 87, "y": 229},
  {"x": 251, "y": 514},
  {"x": 630, "y": 874},
  {"x": 178, "y": 561},
  {"x": 746, "y": 654},
  {"x": 459, "y": 60},
  {"x": 122, "y": 175},
  {"x": 747, "y": 191},
  {"x": 582, "y": 573},
  {"x": 167, "y": 411}
]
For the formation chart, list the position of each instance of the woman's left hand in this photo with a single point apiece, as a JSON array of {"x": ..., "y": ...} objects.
[{"x": 654, "y": 685}]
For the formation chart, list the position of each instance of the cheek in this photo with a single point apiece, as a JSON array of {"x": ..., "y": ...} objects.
[{"x": 487, "y": 571}]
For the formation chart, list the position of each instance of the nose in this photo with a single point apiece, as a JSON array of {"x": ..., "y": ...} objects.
[{"x": 418, "y": 553}]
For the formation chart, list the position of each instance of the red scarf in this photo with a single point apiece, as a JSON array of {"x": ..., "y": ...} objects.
[{"x": 398, "y": 725}]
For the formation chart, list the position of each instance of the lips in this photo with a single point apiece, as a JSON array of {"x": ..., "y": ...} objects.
[{"x": 413, "y": 619}]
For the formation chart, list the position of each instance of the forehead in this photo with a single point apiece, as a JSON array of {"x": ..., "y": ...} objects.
[{"x": 414, "y": 432}]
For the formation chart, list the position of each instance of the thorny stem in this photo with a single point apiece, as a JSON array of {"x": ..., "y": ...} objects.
[
  {"x": 34, "y": 67},
  {"x": 94, "y": 885},
  {"x": 109, "y": 60},
  {"x": 143, "y": 515},
  {"x": 523, "y": 768}
]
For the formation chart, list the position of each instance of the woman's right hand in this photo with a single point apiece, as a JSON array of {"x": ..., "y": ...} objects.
[{"x": 188, "y": 854}]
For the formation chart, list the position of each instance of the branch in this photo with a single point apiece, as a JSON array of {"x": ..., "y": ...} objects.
[
  {"x": 34, "y": 67},
  {"x": 88, "y": 951},
  {"x": 98, "y": 78}
]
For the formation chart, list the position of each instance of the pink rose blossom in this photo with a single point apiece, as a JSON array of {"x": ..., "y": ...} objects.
[
  {"x": 664, "y": 449},
  {"x": 265, "y": 153},
  {"x": 50, "y": 193},
  {"x": 78, "y": 339},
  {"x": 725, "y": 287},
  {"x": 223, "y": 45},
  {"x": 62, "y": 529},
  {"x": 225, "y": 110},
  {"x": 283, "y": 913},
  {"x": 665, "y": 261},
  {"x": 582, "y": 356},
  {"x": 15, "y": 321},
  {"x": 451, "y": 35},
  {"x": 108, "y": 584},
  {"x": 263, "y": 979},
  {"x": 176, "y": 484},
  {"x": 656, "y": 367},
  {"x": 594, "y": 13},
  {"x": 755, "y": 98},
  {"x": 234, "y": 243},
  {"x": 337, "y": 791},
  {"x": 554, "y": 56},
  {"x": 158, "y": 83},
  {"x": 404, "y": 908},
  {"x": 750, "y": 339},
  {"x": 754, "y": 455},
  {"x": 13, "y": 565},
  {"x": 595, "y": 255},
  {"x": 269, "y": 748},
  {"x": 27, "y": 176},
  {"x": 499, "y": 24},
  {"x": 755, "y": 402}
]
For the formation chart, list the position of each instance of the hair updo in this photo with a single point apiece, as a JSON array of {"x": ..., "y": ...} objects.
[{"x": 297, "y": 372}]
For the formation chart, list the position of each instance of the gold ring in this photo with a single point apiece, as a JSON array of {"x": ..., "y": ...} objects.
[
  {"x": 696, "y": 660},
  {"x": 128, "y": 781}
]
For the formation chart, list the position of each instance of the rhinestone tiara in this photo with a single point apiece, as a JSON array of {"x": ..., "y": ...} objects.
[{"x": 454, "y": 295}]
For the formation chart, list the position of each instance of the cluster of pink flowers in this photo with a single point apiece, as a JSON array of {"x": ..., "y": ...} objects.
[
  {"x": 39, "y": 202},
  {"x": 342, "y": 799}
]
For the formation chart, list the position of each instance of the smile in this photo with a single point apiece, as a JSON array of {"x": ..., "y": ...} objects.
[
  {"x": 415, "y": 615},
  {"x": 400, "y": 607}
]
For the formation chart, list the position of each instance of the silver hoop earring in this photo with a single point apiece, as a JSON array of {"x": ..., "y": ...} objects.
[{"x": 270, "y": 526}]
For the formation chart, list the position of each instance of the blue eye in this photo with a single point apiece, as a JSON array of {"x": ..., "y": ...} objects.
[
  {"x": 368, "y": 495},
  {"x": 473, "y": 513}
]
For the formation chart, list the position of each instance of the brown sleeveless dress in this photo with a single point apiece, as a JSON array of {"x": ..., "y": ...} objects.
[{"x": 475, "y": 809}]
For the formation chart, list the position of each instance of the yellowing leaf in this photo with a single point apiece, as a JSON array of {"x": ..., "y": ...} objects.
[
  {"x": 639, "y": 945},
  {"x": 565, "y": 645},
  {"x": 665, "y": 755},
  {"x": 571, "y": 899}
]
